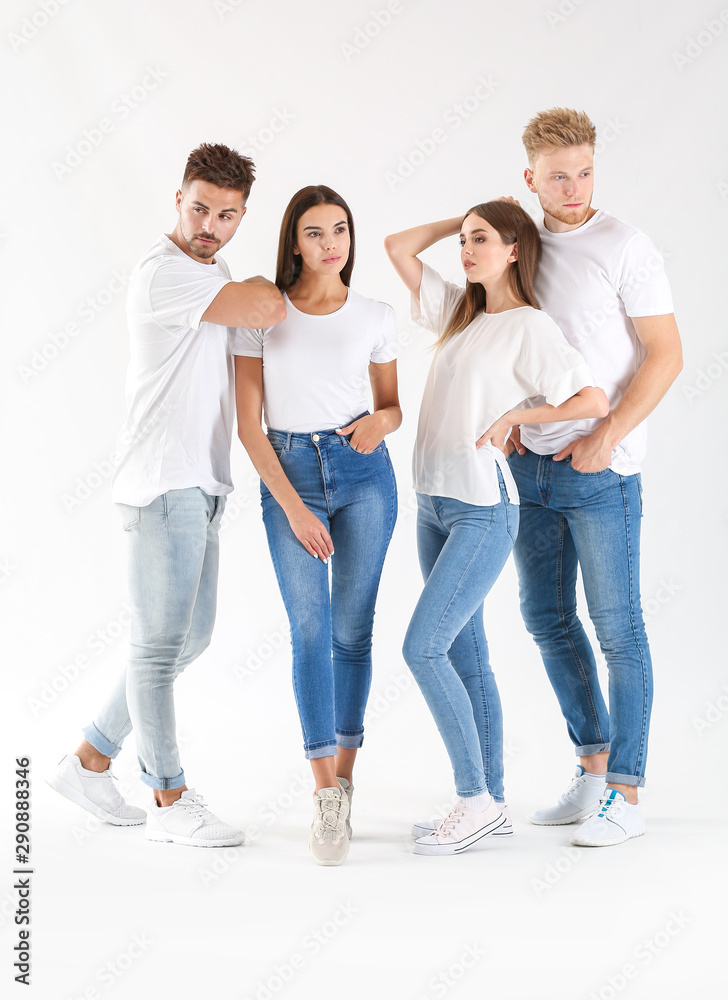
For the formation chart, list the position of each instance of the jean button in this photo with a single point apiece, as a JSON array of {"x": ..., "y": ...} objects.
[{"x": 315, "y": 437}]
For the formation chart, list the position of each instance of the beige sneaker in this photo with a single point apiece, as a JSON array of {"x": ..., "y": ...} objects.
[
  {"x": 349, "y": 789},
  {"x": 329, "y": 841}
]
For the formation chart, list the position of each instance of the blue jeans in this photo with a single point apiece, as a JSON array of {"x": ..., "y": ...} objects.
[
  {"x": 355, "y": 496},
  {"x": 462, "y": 550},
  {"x": 173, "y": 565},
  {"x": 591, "y": 520}
]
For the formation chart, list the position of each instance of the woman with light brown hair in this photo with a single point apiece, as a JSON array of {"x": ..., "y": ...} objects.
[{"x": 499, "y": 361}]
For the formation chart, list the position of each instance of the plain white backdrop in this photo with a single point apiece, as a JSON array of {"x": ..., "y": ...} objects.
[{"x": 413, "y": 111}]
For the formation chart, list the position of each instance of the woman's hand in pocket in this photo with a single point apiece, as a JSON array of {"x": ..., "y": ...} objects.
[{"x": 367, "y": 433}]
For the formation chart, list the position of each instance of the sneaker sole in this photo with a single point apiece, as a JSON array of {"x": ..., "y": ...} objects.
[
  {"x": 161, "y": 837},
  {"x": 606, "y": 843},
  {"x": 462, "y": 845},
  {"x": 423, "y": 831},
  {"x": 584, "y": 814},
  {"x": 71, "y": 793},
  {"x": 328, "y": 862}
]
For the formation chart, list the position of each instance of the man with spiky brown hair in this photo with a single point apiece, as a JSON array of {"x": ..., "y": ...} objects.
[
  {"x": 170, "y": 487},
  {"x": 604, "y": 283}
]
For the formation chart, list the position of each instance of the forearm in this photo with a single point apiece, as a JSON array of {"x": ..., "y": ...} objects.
[
  {"x": 588, "y": 402},
  {"x": 269, "y": 468},
  {"x": 650, "y": 383},
  {"x": 410, "y": 242},
  {"x": 390, "y": 417}
]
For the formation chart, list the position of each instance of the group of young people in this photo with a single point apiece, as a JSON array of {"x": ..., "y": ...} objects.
[{"x": 530, "y": 439}]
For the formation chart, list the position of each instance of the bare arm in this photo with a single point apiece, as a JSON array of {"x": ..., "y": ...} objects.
[
  {"x": 368, "y": 432},
  {"x": 307, "y": 528},
  {"x": 402, "y": 248},
  {"x": 587, "y": 402},
  {"x": 255, "y": 302},
  {"x": 663, "y": 362}
]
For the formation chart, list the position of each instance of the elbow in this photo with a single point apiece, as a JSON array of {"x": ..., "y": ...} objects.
[
  {"x": 390, "y": 246},
  {"x": 595, "y": 402},
  {"x": 602, "y": 403}
]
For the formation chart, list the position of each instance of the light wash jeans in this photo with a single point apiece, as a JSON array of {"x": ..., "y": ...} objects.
[
  {"x": 462, "y": 550},
  {"x": 590, "y": 520},
  {"x": 355, "y": 496},
  {"x": 173, "y": 566}
]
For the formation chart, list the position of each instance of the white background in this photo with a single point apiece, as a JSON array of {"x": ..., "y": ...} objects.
[{"x": 323, "y": 92}]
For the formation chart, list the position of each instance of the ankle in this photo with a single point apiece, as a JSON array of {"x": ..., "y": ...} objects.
[
  {"x": 91, "y": 759},
  {"x": 595, "y": 763},
  {"x": 168, "y": 796},
  {"x": 629, "y": 792}
]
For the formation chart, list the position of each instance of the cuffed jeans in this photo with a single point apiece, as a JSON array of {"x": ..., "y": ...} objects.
[
  {"x": 355, "y": 496},
  {"x": 173, "y": 568},
  {"x": 591, "y": 520},
  {"x": 462, "y": 550}
]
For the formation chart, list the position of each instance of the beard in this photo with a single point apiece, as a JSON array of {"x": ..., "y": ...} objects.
[
  {"x": 198, "y": 250},
  {"x": 569, "y": 216}
]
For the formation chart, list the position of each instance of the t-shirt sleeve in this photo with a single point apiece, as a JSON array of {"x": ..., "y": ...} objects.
[
  {"x": 246, "y": 343},
  {"x": 436, "y": 302},
  {"x": 179, "y": 294},
  {"x": 643, "y": 284},
  {"x": 385, "y": 345},
  {"x": 556, "y": 369}
]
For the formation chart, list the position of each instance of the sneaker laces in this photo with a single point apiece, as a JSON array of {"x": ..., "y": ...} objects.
[
  {"x": 447, "y": 826},
  {"x": 610, "y": 807},
  {"x": 197, "y": 806},
  {"x": 328, "y": 815}
]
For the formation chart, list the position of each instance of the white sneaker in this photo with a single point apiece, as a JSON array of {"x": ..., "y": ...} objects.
[
  {"x": 329, "y": 842},
  {"x": 615, "y": 822},
  {"x": 426, "y": 826},
  {"x": 579, "y": 800},
  {"x": 349, "y": 789},
  {"x": 94, "y": 791},
  {"x": 461, "y": 829},
  {"x": 188, "y": 821}
]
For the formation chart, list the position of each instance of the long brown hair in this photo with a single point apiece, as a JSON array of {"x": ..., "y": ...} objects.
[
  {"x": 513, "y": 225},
  {"x": 288, "y": 266}
]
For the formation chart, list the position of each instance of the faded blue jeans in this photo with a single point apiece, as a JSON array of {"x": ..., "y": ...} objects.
[
  {"x": 462, "y": 550},
  {"x": 173, "y": 568},
  {"x": 355, "y": 496},
  {"x": 589, "y": 520}
]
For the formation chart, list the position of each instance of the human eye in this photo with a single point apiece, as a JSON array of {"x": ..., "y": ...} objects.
[
  {"x": 461, "y": 241},
  {"x": 314, "y": 232}
]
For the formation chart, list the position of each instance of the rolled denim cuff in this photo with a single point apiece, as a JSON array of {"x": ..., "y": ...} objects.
[
  {"x": 162, "y": 784},
  {"x": 591, "y": 748},
  {"x": 320, "y": 750},
  {"x": 99, "y": 742},
  {"x": 625, "y": 779},
  {"x": 349, "y": 739}
]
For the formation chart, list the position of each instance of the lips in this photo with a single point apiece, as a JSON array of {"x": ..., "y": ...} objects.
[{"x": 331, "y": 260}]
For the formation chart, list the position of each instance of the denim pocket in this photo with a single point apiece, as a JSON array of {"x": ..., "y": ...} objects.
[
  {"x": 365, "y": 454},
  {"x": 129, "y": 515}
]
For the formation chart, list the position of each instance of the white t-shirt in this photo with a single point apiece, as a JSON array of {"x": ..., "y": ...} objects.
[
  {"x": 179, "y": 386},
  {"x": 591, "y": 281},
  {"x": 315, "y": 368},
  {"x": 477, "y": 375}
]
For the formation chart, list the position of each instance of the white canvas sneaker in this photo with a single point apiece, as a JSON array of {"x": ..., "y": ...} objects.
[
  {"x": 579, "y": 800},
  {"x": 426, "y": 826},
  {"x": 349, "y": 789},
  {"x": 329, "y": 842},
  {"x": 615, "y": 822},
  {"x": 461, "y": 829},
  {"x": 94, "y": 791},
  {"x": 188, "y": 821}
]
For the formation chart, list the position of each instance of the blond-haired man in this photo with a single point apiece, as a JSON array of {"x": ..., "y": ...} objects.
[{"x": 603, "y": 281}]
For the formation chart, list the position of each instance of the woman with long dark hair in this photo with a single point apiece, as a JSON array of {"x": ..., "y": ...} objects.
[
  {"x": 327, "y": 484},
  {"x": 499, "y": 361}
]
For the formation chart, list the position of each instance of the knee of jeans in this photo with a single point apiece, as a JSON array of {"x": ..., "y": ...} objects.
[
  {"x": 619, "y": 632},
  {"x": 550, "y": 625},
  {"x": 418, "y": 649},
  {"x": 352, "y": 638}
]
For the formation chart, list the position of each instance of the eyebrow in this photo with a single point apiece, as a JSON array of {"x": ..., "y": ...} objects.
[
  {"x": 474, "y": 231},
  {"x": 203, "y": 205},
  {"x": 342, "y": 223}
]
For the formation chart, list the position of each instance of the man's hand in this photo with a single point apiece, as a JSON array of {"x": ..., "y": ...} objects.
[{"x": 588, "y": 454}]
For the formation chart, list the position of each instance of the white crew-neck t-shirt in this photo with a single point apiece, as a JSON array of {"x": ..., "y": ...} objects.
[
  {"x": 591, "y": 281},
  {"x": 492, "y": 366},
  {"x": 315, "y": 368},
  {"x": 179, "y": 386}
]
